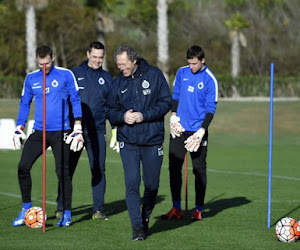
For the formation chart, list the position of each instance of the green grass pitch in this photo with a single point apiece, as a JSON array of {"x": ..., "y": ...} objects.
[{"x": 235, "y": 213}]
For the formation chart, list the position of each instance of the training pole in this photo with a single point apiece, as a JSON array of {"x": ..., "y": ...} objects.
[
  {"x": 270, "y": 145},
  {"x": 186, "y": 182},
  {"x": 44, "y": 148}
]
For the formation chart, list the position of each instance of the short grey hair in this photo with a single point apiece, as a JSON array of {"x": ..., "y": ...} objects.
[{"x": 131, "y": 52}]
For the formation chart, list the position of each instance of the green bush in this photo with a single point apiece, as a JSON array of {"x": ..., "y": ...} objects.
[
  {"x": 258, "y": 86},
  {"x": 11, "y": 86}
]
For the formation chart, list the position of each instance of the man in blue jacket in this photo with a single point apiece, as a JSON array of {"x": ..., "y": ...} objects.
[
  {"x": 61, "y": 85},
  {"x": 195, "y": 97},
  {"x": 140, "y": 99},
  {"x": 94, "y": 86}
]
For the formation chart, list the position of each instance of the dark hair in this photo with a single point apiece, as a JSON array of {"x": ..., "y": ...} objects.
[
  {"x": 131, "y": 52},
  {"x": 95, "y": 45},
  {"x": 44, "y": 51},
  {"x": 195, "y": 51}
]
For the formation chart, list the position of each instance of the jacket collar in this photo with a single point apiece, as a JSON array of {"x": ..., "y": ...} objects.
[{"x": 85, "y": 65}]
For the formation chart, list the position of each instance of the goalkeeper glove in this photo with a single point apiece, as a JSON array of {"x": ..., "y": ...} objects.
[
  {"x": 114, "y": 144},
  {"x": 19, "y": 136},
  {"x": 76, "y": 138},
  {"x": 175, "y": 127},
  {"x": 192, "y": 143}
]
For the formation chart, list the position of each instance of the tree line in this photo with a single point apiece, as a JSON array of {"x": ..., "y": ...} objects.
[{"x": 239, "y": 37}]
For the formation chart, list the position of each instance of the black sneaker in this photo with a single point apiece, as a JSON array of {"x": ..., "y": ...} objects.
[
  {"x": 138, "y": 234},
  {"x": 146, "y": 227}
]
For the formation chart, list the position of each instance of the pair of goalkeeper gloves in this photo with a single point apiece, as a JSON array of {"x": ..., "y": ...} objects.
[
  {"x": 192, "y": 143},
  {"x": 75, "y": 139}
]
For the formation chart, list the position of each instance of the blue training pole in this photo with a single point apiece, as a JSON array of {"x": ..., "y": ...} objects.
[{"x": 270, "y": 145}]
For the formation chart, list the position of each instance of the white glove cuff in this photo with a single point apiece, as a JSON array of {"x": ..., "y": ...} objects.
[
  {"x": 200, "y": 133},
  {"x": 20, "y": 127},
  {"x": 77, "y": 127},
  {"x": 174, "y": 118}
]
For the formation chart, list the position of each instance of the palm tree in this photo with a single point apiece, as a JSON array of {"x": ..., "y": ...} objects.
[
  {"x": 30, "y": 25},
  {"x": 162, "y": 37},
  {"x": 235, "y": 25}
]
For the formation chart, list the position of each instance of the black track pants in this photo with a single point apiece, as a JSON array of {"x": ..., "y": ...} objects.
[
  {"x": 32, "y": 150},
  {"x": 176, "y": 159}
]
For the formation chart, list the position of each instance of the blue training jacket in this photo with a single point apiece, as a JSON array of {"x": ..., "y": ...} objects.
[
  {"x": 60, "y": 85},
  {"x": 197, "y": 95},
  {"x": 146, "y": 91},
  {"x": 94, "y": 88}
]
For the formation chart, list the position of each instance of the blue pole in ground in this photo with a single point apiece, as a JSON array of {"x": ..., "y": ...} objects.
[{"x": 270, "y": 145}]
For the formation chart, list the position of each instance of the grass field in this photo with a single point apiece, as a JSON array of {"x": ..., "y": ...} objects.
[{"x": 235, "y": 214}]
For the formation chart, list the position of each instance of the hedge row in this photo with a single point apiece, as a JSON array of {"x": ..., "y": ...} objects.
[
  {"x": 258, "y": 86},
  {"x": 11, "y": 86}
]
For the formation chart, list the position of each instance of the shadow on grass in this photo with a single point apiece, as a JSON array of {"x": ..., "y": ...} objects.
[
  {"x": 217, "y": 206},
  {"x": 211, "y": 208},
  {"x": 111, "y": 209}
]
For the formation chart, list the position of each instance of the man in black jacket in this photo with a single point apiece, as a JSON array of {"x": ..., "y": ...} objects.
[{"x": 139, "y": 101}]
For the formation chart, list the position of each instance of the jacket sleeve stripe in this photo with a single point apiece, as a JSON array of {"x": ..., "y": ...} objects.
[{"x": 216, "y": 83}]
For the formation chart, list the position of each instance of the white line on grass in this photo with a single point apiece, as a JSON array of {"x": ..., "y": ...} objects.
[
  {"x": 227, "y": 172},
  {"x": 258, "y": 99},
  {"x": 165, "y": 166},
  {"x": 277, "y": 201},
  {"x": 252, "y": 174},
  {"x": 19, "y": 196},
  {"x": 218, "y": 171}
]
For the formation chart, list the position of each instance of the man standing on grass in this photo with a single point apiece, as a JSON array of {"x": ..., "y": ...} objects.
[
  {"x": 195, "y": 97},
  {"x": 137, "y": 105},
  {"x": 60, "y": 85},
  {"x": 94, "y": 87}
]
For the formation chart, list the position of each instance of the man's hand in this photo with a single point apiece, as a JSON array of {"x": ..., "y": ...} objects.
[
  {"x": 138, "y": 117},
  {"x": 131, "y": 117},
  {"x": 19, "y": 136},
  {"x": 114, "y": 144},
  {"x": 76, "y": 138},
  {"x": 176, "y": 128},
  {"x": 192, "y": 143}
]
